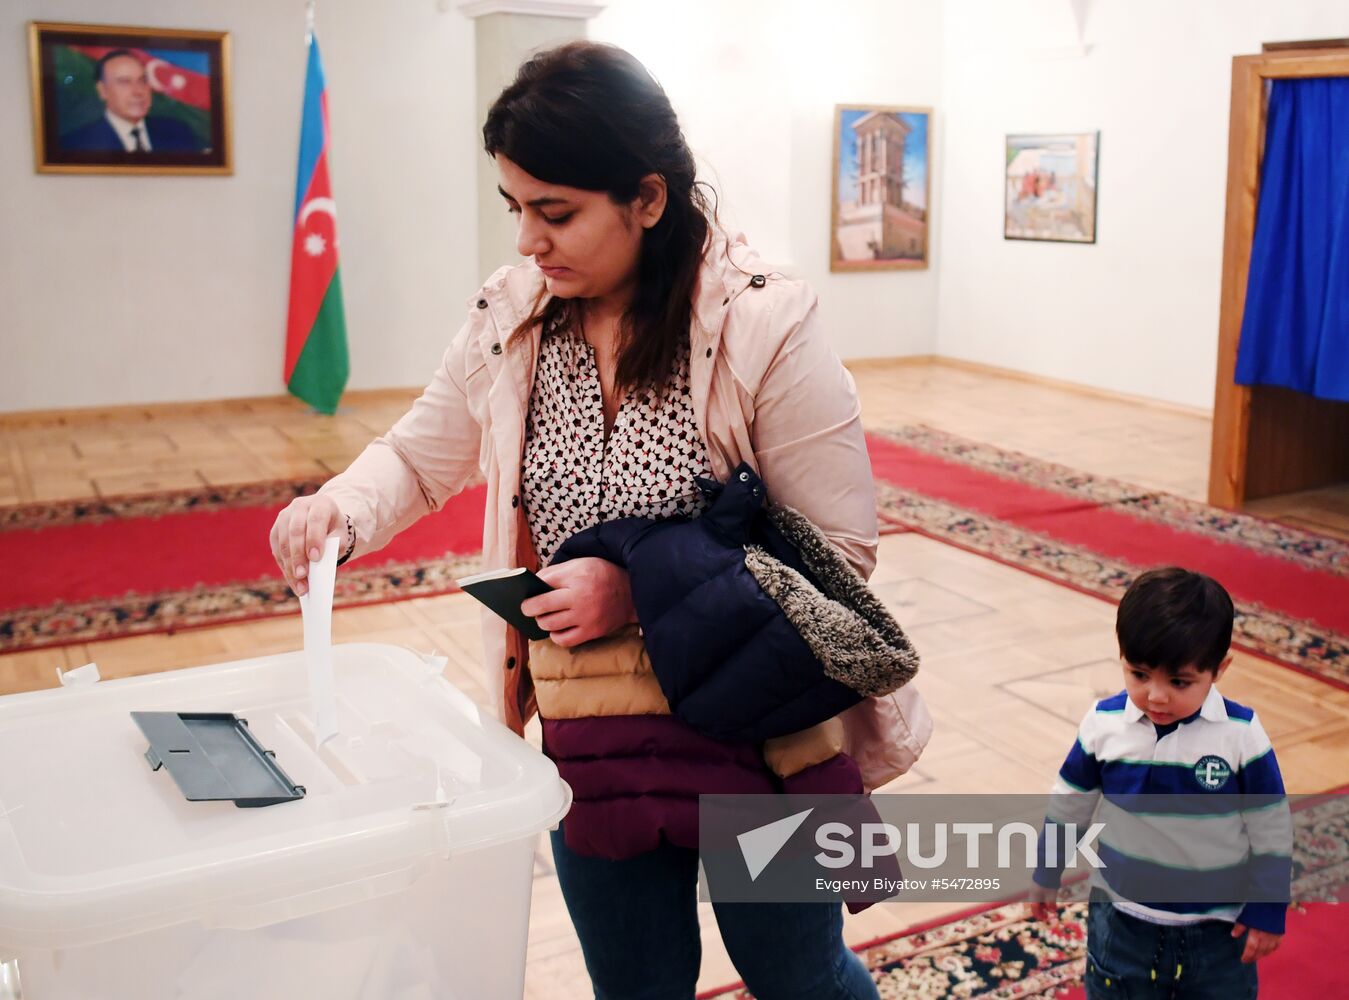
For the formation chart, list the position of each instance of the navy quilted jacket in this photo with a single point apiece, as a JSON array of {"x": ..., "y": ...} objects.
[{"x": 730, "y": 663}]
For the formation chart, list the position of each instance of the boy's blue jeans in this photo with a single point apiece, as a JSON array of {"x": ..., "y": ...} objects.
[
  {"x": 1191, "y": 962},
  {"x": 638, "y": 924}
]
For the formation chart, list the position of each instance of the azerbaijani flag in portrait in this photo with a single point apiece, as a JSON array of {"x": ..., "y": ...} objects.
[
  {"x": 316, "y": 330},
  {"x": 180, "y": 79}
]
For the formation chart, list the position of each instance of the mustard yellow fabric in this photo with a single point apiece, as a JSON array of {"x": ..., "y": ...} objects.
[
  {"x": 612, "y": 676},
  {"x": 788, "y": 755},
  {"x": 609, "y": 676}
]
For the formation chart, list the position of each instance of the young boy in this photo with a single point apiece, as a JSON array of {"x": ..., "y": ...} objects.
[{"x": 1170, "y": 732}]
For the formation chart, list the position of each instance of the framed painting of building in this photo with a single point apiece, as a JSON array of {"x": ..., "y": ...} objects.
[
  {"x": 118, "y": 100},
  {"x": 1051, "y": 187},
  {"x": 882, "y": 163}
]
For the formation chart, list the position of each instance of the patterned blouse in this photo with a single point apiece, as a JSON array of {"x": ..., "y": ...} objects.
[{"x": 574, "y": 478}]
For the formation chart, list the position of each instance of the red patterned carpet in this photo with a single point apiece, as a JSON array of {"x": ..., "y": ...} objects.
[
  {"x": 999, "y": 954},
  {"x": 83, "y": 570},
  {"x": 1096, "y": 534},
  {"x": 98, "y": 569}
]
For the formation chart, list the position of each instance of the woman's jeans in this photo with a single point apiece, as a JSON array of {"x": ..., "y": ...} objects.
[{"x": 638, "y": 924}]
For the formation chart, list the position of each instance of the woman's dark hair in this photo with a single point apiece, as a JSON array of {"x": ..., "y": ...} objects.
[
  {"x": 590, "y": 116},
  {"x": 1173, "y": 618}
]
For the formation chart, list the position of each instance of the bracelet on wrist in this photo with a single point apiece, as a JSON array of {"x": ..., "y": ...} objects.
[{"x": 351, "y": 542}]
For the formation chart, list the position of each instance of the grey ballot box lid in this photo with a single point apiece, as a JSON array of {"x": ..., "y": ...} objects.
[{"x": 213, "y": 756}]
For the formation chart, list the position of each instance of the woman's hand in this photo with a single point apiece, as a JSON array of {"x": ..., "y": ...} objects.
[
  {"x": 298, "y": 536},
  {"x": 592, "y": 598}
]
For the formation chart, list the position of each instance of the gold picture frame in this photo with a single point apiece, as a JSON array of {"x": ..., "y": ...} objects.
[
  {"x": 95, "y": 111},
  {"x": 877, "y": 222}
]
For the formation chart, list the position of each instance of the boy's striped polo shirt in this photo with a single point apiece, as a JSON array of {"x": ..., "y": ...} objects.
[{"x": 1224, "y": 833}]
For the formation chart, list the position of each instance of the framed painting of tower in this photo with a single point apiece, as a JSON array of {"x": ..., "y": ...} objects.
[{"x": 882, "y": 163}]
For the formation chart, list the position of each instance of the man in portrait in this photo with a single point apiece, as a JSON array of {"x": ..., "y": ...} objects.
[{"x": 127, "y": 125}]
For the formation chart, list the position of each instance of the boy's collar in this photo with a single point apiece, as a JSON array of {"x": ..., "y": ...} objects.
[{"x": 1213, "y": 709}]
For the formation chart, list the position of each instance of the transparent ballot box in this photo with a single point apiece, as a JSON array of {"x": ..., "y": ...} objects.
[{"x": 395, "y": 863}]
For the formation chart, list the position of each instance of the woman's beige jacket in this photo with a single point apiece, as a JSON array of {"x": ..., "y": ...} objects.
[{"x": 767, "y": 389}]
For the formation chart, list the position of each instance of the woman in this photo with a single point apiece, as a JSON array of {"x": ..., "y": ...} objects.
[{"x": 636, "y": 349}]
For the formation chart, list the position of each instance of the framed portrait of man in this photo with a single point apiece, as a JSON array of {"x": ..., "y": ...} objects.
[{"x": 118, "y": 100}]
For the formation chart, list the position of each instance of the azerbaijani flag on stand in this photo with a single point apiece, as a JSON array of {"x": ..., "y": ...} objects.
[{"x": 316, "y": 330}]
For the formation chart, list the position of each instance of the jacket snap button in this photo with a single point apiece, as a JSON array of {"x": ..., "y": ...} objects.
[
  {"x": 758, "y": 281},
  {"x": 515, "y": 500},
  {"x": 510, "y": 663},
  {"x": 482, "y": 303},
  {"x": 709, "y": 352},
  {"x": 496, "y": 348},
  {"x": 744, "y": 477}
]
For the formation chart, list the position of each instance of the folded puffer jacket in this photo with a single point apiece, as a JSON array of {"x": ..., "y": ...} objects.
[
  {"x": 636, "y": 771},
  {"x": 755, "y": 624},
  {"x": 755, "y": 631}
]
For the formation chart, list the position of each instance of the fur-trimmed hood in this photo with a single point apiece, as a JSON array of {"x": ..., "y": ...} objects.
[{"x": 852, "y": 634}]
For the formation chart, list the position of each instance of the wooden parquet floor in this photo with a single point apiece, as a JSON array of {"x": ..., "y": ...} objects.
[{"x": 1010, "y": 662}]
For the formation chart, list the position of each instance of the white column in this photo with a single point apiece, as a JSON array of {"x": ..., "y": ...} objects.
[{"x": 506, "y": 33}]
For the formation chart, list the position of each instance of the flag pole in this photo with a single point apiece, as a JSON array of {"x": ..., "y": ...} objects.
[{"x": 317, "y": 363}]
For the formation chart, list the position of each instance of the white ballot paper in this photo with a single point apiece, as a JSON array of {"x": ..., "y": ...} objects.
[{"x": 316, "y": 607}]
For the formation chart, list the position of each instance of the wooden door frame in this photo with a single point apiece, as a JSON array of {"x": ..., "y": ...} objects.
[{"x": 1245, "y": 146}]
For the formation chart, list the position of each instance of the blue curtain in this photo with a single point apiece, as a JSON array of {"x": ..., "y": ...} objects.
[{"x": 1296, "y": 327}]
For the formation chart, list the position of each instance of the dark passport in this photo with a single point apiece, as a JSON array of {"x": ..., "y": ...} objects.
[{"x": 503, "y": 590}]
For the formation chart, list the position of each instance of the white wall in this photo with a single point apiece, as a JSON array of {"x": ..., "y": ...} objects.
[
  {"x": 118, "y": 289},
  {"x": 755, "y": 83},
  {"x": 134, "y": 289},
  {"x": 1138, "y": 311}
]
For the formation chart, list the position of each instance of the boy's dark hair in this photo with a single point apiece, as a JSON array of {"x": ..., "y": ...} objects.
[{"x": 1173, "y": 618}]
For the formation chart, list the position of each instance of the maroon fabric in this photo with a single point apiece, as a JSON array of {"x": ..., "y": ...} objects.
[
  {"x": 641, "y": 735},
  {"x": 620, "y": 827},
  {"x": 638, "y": 777},
  {"x": 636, "y": 780},
  {"x": 839, "y": 775},
  {"x": 603, "y": 777}
]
